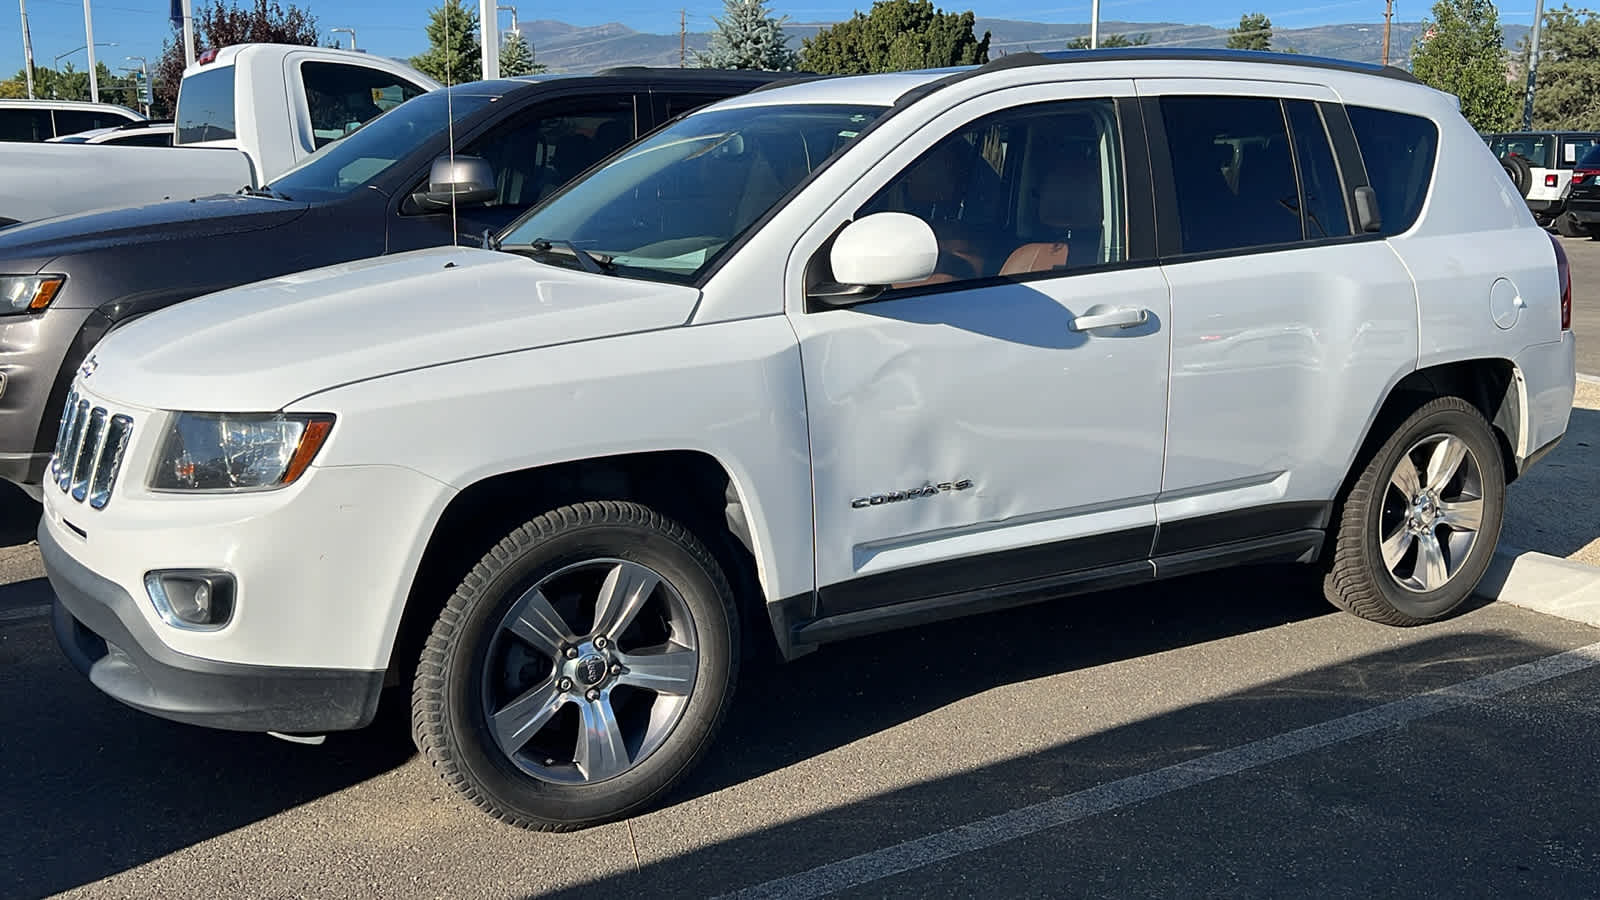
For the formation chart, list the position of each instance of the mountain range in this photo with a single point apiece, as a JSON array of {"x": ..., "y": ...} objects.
[{"x": 571, "y": 48}]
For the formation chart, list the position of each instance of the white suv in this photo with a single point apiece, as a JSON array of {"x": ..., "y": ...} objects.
[{"x": 821, "y": 360}]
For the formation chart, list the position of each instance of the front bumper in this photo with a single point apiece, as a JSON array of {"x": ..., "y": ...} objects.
[{"x": 106, "y": 637}]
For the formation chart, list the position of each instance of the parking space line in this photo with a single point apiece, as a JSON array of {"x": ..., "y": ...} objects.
[{"x": 986, "y": 833}]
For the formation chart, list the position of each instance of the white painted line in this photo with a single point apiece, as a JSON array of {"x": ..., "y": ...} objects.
[
  {"x": 980, "y": 835},
  {"x": 26, "y": 612},
  {"x": 1592, "y": 379}
]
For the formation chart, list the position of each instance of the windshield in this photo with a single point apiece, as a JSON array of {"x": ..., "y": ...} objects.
[
  {"x": 667, "y": 207},
  {"x": 353, "y": 162}
]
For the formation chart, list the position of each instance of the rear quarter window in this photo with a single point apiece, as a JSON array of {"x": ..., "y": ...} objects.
[
  {"x": 25, "y": 125},
  {"x": 1398, "y": 151},
  {"x": 205, "y": 107}
]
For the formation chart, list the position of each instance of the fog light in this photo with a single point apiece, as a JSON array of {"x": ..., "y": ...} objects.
[{"x": 194, "y": 600}]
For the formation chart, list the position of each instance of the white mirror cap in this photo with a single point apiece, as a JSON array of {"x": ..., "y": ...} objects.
[{"x": 883, "y": 249}]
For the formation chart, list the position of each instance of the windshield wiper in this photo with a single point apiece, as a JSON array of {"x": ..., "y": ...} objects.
[
  {"x": 597, "y": 263},
  {"x": 268, "y": 192}
]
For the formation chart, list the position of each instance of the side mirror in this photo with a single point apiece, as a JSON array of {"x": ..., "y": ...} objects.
[
  {"x": 469, "y": 179},
  {"x": 875, "y": 252},
  {"x": 1367, "y": 217}
]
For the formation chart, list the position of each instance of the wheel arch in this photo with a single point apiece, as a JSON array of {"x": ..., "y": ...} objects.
[{"x": 690, "y": 486}]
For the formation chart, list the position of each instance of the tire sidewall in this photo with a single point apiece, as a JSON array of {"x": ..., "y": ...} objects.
[
  {"x": 1470, "y": 427},
  {"x": 466, "y": 727}
]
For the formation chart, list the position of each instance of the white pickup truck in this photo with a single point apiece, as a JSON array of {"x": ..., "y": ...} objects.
[{"x": 260, "y": 109}]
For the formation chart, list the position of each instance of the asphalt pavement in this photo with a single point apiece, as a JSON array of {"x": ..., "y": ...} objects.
[
  {"x": 1584, "y": 255},
  {"x": 1225, "y": 734}
]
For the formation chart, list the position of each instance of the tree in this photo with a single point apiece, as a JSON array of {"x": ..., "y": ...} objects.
[
  {"x": 895, "y": 36},
  {"x": 70, "y": 84},
  {"x": 217, "y": 26},
  {"x": 1460, "y": 52},
  {"x": 460, "y": 57},
  {"x": 748, "y": 37},
  {"x": 1254, "y": 33},
  {"x": 516, "y": 57},
  {"x": 1110, "y": 40},
  {"x": 1569, "y": 71}
]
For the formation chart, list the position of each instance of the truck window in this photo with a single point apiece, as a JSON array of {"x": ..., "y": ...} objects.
[
  {"x": 342, "y": 98},
  {"x": 205, "y": 107},
  {"x": 25, "y": 125},
  {"x": 72, "y": 121}
]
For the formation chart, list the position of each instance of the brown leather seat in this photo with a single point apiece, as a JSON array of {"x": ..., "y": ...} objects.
[{"x": 1067, "y": 197}]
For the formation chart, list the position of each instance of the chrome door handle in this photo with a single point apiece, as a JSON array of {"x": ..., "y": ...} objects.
[{"x": 1100, "y": 316}]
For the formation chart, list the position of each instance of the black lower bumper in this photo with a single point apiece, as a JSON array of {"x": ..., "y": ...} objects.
[{"x": 102, "y": 632}]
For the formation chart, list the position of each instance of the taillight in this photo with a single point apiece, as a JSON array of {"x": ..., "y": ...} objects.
[
  {"x": 1578, "y": 175},
  {"x": 1564, "y": 278},
  {"x": 1551, "y": 180}
]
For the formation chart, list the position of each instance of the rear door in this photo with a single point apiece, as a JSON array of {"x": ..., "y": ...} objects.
[{"x": 1287, "y": 326}]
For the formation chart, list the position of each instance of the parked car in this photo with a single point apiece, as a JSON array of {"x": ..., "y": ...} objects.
[
  {"x": 32, "y": 121},
  {"x": 385, "y": 189},
  {"x": 259, "y": 109},
  {"x": 152, "y": 133},
  {"x": 1540, "y": 164},
  {"x": 1583, "y": 198},
  {"x": 813, "y": 362}
]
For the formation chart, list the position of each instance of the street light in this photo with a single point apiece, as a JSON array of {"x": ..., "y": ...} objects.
[
  {"x": 94, "y": 81},
  {"x": 149, "y": 89},
  {"x": 349, "y": 31},
  {"x": 513, "y": 11},
  {"x": 61, "y": 56}
]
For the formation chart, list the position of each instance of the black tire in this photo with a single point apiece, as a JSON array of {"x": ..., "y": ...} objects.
[
  {"x": 1520, "y": 172},
  {"x": 450, "y": 724},
  {"x": 1357, "y": 579},
  {"x": 1567, "y": 225}
]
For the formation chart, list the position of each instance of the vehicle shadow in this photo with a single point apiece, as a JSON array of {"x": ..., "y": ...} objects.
[
  {"x": 19, "y": 516},
  {"x": 1552, "y": 508},
  {"x": 1336, "y": 818}
]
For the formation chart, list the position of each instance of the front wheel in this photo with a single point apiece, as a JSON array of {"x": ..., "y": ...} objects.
[
  {"x": 1418, "y": 528},
  {"x": 580, "y": 670}
]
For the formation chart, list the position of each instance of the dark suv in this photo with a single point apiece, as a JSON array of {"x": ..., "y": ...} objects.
[
  {"x": 1583, "y": 202},
  {"x": 389, "y": 187}
]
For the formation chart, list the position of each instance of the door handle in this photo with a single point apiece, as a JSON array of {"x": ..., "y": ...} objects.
[{"x": 1101, "y": 316}]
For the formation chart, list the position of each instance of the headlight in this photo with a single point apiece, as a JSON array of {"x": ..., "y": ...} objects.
[
  {"x": 28, "y": 293},
  {"x": 237, "y": 451}
]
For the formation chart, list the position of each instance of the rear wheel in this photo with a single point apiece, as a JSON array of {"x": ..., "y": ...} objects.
[
  {"x": 580, "y": 670},
  {"x": 1417, "y": 530},
  {"x": 1567, "y": 225}
]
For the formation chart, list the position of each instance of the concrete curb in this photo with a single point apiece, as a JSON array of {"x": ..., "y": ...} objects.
[
  {"x": 1591, "y": 379},
  {"x": 1545, "y": 584}
]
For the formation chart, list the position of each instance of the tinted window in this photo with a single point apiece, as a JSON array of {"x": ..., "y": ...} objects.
[
  {"x": 1325, "y": 214},
  {"x": 1398, "y": 151},
  {"x": 535, "y": 154},
  {"x": 25, "y": 125},
  {"x": 1590, "y": 160},
  {"x": 149, "y": 139},
  {"x": 1537, "y": 149},
  {"x": 1234, "y": 172},
  {"x": 1035, "y": 189},
  {"x": 343, "y": 98},
  {"x": 674, "y": 105},
  {"x": 72, "y": 121},
  {"x": 670, "y": 206},
  {"x": 1574, "y": 149},
  {"x": 205, "y": 107}
]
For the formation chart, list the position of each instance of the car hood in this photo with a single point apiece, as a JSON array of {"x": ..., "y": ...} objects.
[
  {"x": 151, "y": 223},
  {"x": 262, "y": 346}
]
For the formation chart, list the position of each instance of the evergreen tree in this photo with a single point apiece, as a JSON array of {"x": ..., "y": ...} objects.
[
  {"x": 1110, "y": 40},
  {"x": 1569, "y": 71},
  {"x": 516, "y": 57},
  {"x": 1254, "y": 33},
  {"x": 1460, "y": 53},
  {"x": 895, "y": 36},
  {"x": 748, "y": 37},
  {"x": 454, "y": 54}
]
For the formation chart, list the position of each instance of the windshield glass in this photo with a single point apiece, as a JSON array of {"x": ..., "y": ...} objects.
[
  {"x": 353, "y": 162},
  {"x": 666, "y": 208}
]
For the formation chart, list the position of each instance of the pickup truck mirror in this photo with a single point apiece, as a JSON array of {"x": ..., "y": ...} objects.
[
  {"x": 470, "y": 179},
  {"x": 877, "y": 251}
]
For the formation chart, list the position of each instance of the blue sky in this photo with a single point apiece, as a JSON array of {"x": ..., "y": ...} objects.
[{"x": 395, "y": 27}]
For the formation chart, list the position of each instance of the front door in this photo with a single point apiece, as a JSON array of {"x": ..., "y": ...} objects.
[{"x": 979, "y": 429}]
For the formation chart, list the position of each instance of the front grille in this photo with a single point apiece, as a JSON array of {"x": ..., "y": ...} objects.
[{"x": 89, "y": 448}]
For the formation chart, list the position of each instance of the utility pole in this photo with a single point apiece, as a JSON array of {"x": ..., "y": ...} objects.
[
  {"x": 1533, "y": 64},
  {"x": 94, "y": 76},
  {"x": 27, "y": 47},
  {"x": 683, "y": 35},
  {"x": 188, "y": 33},
  {"x": 1388, "y": 13},
  {"x": 1094, "y": 25},
  {"x": 489, "y": 36}
]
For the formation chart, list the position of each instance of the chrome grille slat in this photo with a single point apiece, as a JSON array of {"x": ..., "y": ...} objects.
[{"x": 89, "y": 448}]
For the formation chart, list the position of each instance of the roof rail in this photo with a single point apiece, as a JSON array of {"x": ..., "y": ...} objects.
[
  {"x": 696, "y": 72},
  {"x": 1054, "y": 57}
]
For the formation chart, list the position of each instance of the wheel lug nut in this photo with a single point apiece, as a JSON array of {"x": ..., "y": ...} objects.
[
  {"x": 565, "y": 684},
  {"x": 616, "y": 668},
  {"x": 572, "y": 653},
  {"x": 593, "y": 695},
  {"x": 600, "y": 643}
]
